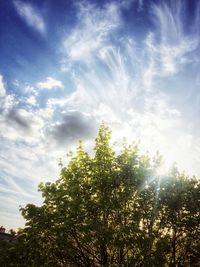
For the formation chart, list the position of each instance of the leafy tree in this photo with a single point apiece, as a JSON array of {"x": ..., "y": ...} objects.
[{"x": 112, "y": 210}]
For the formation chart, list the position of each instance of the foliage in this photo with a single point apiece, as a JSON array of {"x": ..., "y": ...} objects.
[{"x": 112, "y": 210}]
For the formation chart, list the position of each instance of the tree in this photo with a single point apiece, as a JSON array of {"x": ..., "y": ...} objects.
[{"x": 113, "y": 210}]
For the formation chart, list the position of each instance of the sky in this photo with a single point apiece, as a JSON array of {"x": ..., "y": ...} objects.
[{"x": 66, "y": 66}]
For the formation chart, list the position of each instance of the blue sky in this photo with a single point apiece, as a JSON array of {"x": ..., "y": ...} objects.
[{"x": 66, "y": 66}]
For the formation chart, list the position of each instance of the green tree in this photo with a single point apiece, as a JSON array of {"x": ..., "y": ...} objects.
[{"x": 112, "y": 210}]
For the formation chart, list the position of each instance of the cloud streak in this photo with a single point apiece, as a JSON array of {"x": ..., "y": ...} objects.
[
  {"x": 30, "y": 15},
  {"x": 92, "y": 31},
  {"x": 174, "y": 46},
  {"x": 2, "y": 87}
]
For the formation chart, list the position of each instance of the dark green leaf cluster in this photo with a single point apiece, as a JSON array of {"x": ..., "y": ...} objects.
[{"x": 112, "y": 210}]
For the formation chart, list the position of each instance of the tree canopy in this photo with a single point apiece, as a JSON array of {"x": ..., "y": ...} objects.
[{"x": 111, "y": 210}]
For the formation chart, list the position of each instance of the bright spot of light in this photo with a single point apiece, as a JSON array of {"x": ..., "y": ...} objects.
[{"x": 162, "y": 171}]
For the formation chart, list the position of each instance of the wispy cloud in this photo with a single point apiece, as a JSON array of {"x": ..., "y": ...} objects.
[
  {"x": 50, "y": 83},
  {"x": 116, "y": 81},
  {"x": 93, "y": 29},
  {"x": 30, "y": 15},
  {"x": 173, "y": 47},
  {"x": 121, "y": 82},
  {"x": 2, "y": 87}
]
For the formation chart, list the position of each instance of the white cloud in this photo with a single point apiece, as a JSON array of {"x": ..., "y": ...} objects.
[
  {"x": 50, "y": 83},
  {"x": 173, "y": 47},
  {"x": 2, "y": 87},
  {"x": 31, "y": 100},
  {"x": 30, "y": 15},
  {"x": 8, "y": 102},
  {"x": 29, "y": 90},
  {"x": 92, "y": 30},
  {"x": 21, "y": 118},
  {"x": 123, "y": 88}
]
